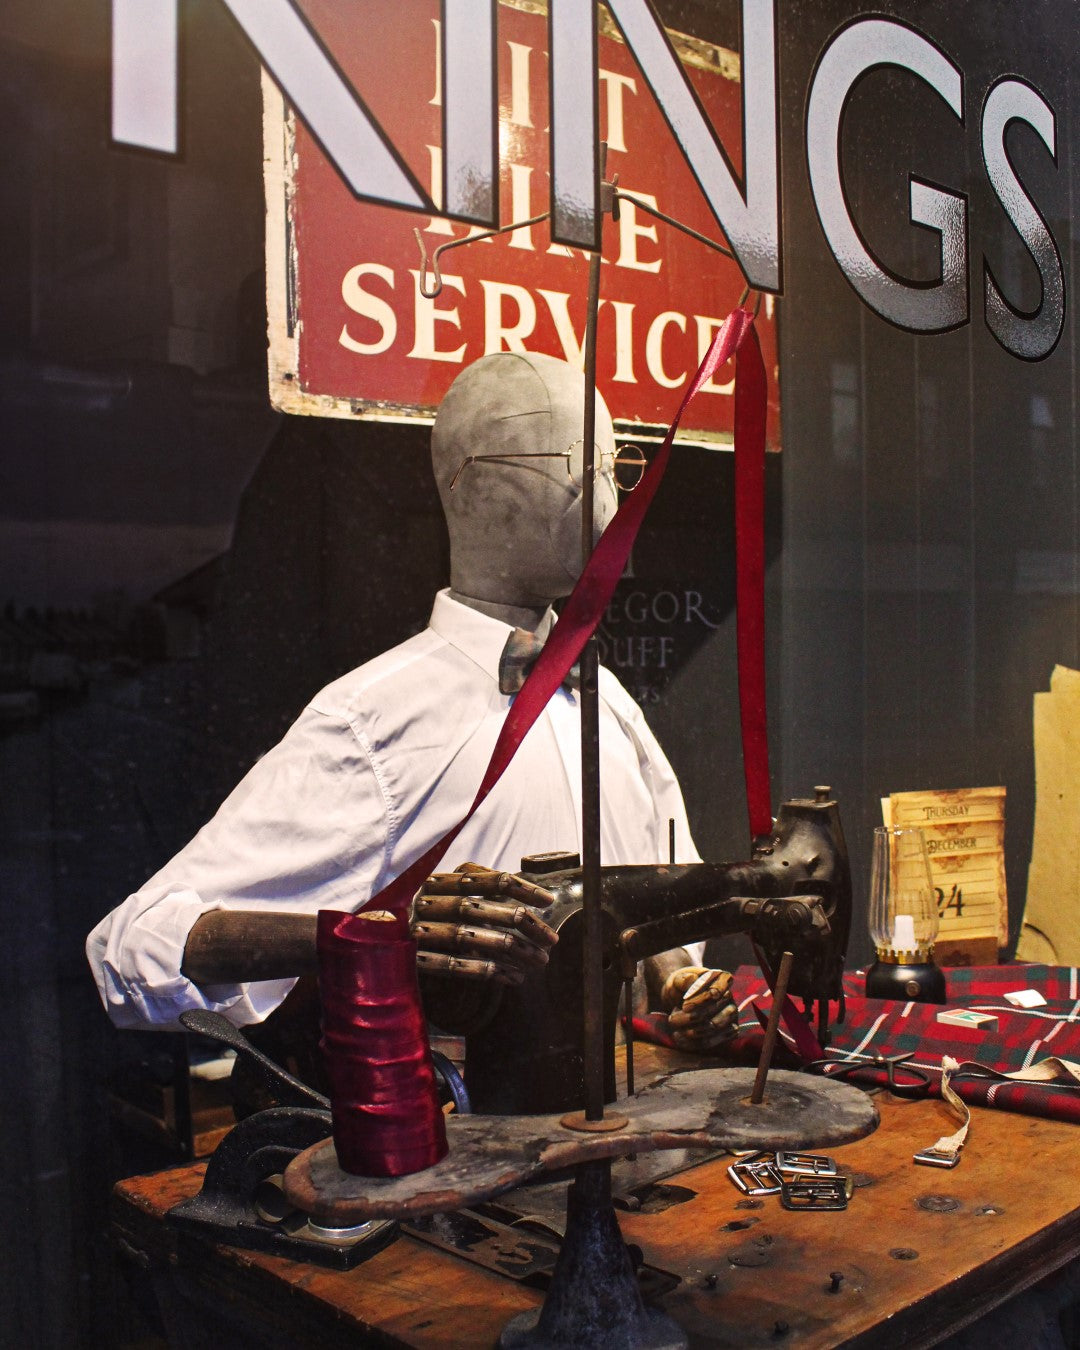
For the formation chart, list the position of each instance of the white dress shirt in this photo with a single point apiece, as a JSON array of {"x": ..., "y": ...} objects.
[{"x": 379, "y": 765}]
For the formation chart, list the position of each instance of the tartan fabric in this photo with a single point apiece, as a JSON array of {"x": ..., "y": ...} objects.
[
  {"x": 1053, "y": 982},
  {"x": 883, "y": 1027}
]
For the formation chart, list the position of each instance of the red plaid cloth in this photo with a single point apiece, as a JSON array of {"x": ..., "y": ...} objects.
[
  {"x": 883, "y": 1027},
  {"x": 961, "y": 982}
]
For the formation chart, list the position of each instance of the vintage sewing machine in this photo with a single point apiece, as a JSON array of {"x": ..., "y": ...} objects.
[
  {"x": 527, "y": 1058},
  {"x": 794, "y": 894}
]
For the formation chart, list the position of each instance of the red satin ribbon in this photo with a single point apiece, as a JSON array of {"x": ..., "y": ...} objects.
[
  {"x": 806, "y": 1043},
  {"x": 750, "y": 588},
  {"x": 385, "y": 1108},
  {"x": 370, "y": 1131}
]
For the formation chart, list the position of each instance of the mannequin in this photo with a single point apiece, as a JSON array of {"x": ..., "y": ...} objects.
[
  {"x": 384, "y": 760},
  {"x": 514, "y": 517}
]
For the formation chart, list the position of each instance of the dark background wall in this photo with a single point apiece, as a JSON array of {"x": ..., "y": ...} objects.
[
  {"x": 180, "y": 568},
  {"x": 930, "y": 572}
]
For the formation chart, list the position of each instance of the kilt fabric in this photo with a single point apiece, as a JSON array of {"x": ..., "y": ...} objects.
[
  {"x": 881, "y": 1027},
  {"x": 1022, "y": 1038}
]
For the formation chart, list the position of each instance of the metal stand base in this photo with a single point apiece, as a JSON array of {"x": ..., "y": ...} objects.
[
  {"x": 655, "y": 1331},
  {"x": 594, "y": 1298}
]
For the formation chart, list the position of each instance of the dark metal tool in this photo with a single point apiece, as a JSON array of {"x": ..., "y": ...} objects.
[
  {"x": 768, "y": 1045},
  {"x": 902, "y": 1078},
  {"x": 793, "y": 894},
  {"x": 219, "y": 1028},
  {"x": 242, "y": 1202}
]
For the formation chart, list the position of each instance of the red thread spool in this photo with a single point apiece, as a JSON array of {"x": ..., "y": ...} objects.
[{"x": 385, "y": 1108}]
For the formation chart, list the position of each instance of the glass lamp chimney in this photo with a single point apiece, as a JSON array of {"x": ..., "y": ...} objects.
[{"x": 903, "y": 907}]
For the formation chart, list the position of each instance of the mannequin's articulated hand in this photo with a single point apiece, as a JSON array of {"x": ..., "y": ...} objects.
[
  {"x": 701, "y": 1014},
  {"x": 479, "y": 924}
]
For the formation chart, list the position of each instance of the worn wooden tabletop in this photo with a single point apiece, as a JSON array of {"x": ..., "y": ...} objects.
[{"x": 920, "y": 1252}]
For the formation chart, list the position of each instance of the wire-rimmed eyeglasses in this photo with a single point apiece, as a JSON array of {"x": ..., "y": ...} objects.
[{"x": 626, "y": 464}]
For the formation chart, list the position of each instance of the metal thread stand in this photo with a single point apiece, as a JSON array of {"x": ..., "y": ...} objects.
[
  {"x": 593, "y": 972},
  {"x": 593, "y": 1299}
]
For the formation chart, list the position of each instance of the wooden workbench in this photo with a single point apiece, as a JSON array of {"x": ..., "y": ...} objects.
[{"x": 921, "y": 1252}]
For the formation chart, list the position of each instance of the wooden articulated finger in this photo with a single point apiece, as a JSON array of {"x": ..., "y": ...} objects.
[
  {"x": 517, "y": 948},
  {"x": 707, "y": 998},
  {"x": 484, "y": 914},
  {"x": 436, "y": 937},
  {"x": 493, "y": 914},
  {"x": 517, "y": 888},
  {"x": 438, "y": 908},
  {"x": 505, "y": 943},
  {"x": 449, "y": 883},
  {"x": 702, "y": 1015},
  {"x": 459, "y": 967},
  {"x": 471, "y": 879},
  {"x": 468, "y": 879},
  {"x": 710, "y": 984},
  {"x": 701, "y": 1036}
]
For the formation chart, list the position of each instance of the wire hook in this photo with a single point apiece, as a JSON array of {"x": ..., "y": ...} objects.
[
  {"x": 747, "y": 291},
  {"x": 433, "y": 261},
  {"x": 612, "y": 195},
  {"x": 670, "y": 220}
]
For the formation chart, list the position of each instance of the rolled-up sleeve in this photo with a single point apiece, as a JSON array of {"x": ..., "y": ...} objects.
[{"x": 308, "y": 828}]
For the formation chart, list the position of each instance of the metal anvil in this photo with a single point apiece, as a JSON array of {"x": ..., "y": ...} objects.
[{"x": 794, "y": 895}]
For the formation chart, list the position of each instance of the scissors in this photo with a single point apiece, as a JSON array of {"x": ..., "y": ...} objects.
[{"x": 901, "y": 1078}]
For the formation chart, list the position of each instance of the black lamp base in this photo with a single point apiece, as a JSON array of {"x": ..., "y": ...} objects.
[{"x": 920, "y": 982}]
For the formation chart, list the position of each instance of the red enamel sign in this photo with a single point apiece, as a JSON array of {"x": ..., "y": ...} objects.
[{"x": 351, "y": 332}]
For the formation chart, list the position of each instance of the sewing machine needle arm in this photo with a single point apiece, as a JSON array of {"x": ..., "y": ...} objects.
[{"x": 801, "y": 919}]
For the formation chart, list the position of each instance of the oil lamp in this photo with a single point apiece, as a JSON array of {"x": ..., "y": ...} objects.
[{"x": 903, "y": 919}]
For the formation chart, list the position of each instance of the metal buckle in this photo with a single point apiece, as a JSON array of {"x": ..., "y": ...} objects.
[
  {"x": 756, "y": 1175},
  {"x": 817, "y": 1193},
  {"x": 933, "y": 1157},
  {"x": 772, "y": 1173},
  {"x": 806, "y": 1164}
]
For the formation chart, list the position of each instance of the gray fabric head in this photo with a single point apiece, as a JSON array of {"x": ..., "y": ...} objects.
[{"x": 515, "y": 524}]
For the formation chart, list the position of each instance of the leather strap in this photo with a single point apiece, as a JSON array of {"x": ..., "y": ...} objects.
[{"x": 946, "y": 1152}]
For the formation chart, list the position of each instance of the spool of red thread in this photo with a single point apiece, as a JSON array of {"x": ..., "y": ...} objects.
[{"x": 385, "y": 1107}]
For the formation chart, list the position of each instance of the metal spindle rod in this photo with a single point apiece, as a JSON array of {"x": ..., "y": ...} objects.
[
  {"x": 772, "y": 1029},
  {"x": 628, "y": 1005},
  {"x": 593, "y": 972}
]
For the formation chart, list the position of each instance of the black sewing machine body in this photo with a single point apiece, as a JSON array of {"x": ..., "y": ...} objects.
[
  {"x": 527, "y": 1058},
  {"x": 793, "y": 895}
]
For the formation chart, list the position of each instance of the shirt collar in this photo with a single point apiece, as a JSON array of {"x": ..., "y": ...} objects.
[{"x": 477, "y": 636}]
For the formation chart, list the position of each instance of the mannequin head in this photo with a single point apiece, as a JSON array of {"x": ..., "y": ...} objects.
[{"x": 515, "y": 524}]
